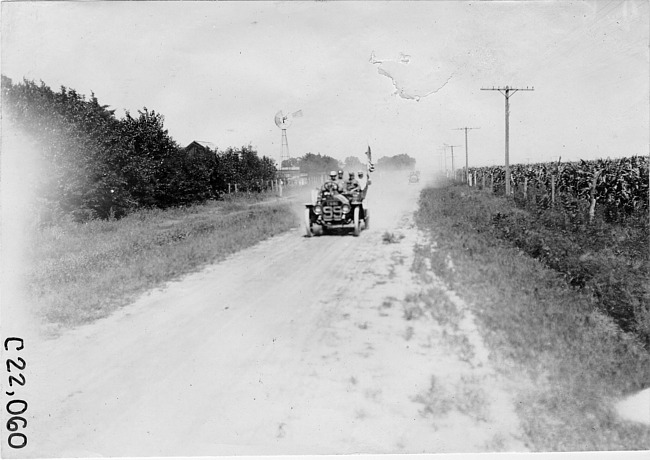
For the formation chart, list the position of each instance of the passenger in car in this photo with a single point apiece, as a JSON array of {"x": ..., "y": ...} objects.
[
  {"x": 352, "y": 185},
  {"x": 341, "y": 180}
]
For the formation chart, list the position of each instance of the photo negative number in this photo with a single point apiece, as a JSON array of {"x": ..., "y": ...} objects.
[{"x": 15, "y": 407}]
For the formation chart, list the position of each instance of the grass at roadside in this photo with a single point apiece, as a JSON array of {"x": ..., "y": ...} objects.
[
  {"x": 537, "y": 325},
  {"x": 82, "y": 272}
]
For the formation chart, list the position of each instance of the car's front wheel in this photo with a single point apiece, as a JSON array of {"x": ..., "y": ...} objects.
[{"x": 357, "y": 223}]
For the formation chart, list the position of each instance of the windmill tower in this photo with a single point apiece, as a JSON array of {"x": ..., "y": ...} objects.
[{"x": 283, "y": 122}]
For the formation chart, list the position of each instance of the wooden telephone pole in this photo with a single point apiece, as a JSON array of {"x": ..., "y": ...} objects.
[
  {"x": 466, "y": 154},
  {"x": 453, "y": 170},
  {"x": 507, "y": 92}
]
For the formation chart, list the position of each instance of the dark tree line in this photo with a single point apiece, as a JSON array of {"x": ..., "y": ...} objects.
[
  {"x": 318, "y": 164},
  {"x": 397, "y": 162},
  {"x": 313, "y": 163},
  {"x": 99, "y": 166}
]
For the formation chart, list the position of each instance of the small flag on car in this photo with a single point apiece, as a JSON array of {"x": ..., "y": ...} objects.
[{"x": 371, "y": 167}]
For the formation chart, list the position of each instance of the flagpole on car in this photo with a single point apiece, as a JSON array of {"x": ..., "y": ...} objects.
[{"x": 370, "y": 167}]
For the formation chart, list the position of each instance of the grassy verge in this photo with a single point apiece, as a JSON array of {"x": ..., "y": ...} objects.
[
  {"x": 82, "y": 272},
  {"x": 537, "y": 324},
  {"x": 607, "y": 258}
]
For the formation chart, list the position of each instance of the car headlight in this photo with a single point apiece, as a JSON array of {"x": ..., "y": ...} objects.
[
  {"x": 317, "y": 210},
  {"x": 346, "y": 209}
]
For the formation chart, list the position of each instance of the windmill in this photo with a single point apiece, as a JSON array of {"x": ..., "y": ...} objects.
[{"x": 283, "y": 122}]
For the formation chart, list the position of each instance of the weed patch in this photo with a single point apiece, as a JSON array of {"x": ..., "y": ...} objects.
[
  {"x": 391, "y": 238},
  {"x": 435, "y": 400}
]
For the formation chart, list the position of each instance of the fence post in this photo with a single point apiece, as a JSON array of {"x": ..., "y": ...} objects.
[
  {"x": 552, "y": 190},
  {"x": 525, "y": 188},
  {"x": 228, "y": 188},
  {"x": 483, "y": 181},
  {"x": 235, "y": 188},
  {"x": 491, "y": 182},
  {"x": 592, "y": 196}
]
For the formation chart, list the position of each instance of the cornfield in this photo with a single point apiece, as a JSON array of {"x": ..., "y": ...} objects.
[{"x": 620, "y": 186}]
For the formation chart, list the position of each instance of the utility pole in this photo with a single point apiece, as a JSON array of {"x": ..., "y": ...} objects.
[
  {"x": 453, "y": 170},
  {"x": 507, "y": 92},
  {"x": 466, "y": 154}
]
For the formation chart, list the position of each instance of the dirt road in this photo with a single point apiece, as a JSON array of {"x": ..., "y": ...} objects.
[{"x": 294, "y": 346}]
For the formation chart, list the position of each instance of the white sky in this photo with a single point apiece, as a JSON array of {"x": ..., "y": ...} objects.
[{"x": 220, "y": 71}]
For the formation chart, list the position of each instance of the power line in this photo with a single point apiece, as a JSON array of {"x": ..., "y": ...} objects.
[
  {"x": 568, "y": 37},
  {"x": 572, "y": 40},
  {"x": 507, "y": 92}
]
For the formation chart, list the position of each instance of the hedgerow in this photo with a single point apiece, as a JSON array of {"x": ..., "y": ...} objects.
[{"x": 100, "y": 166}]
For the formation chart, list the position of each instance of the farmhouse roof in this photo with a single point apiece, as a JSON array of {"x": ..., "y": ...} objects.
[{"x": 204, "y": 144}]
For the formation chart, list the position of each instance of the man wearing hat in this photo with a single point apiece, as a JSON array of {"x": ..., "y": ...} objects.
[{"x": 332, "y": 187}]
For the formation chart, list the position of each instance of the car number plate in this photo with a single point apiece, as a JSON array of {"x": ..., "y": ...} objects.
[{"x": 332, "y": 212}]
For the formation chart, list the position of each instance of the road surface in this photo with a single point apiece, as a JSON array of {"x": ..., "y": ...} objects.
[{"x": 294, "y": 346}]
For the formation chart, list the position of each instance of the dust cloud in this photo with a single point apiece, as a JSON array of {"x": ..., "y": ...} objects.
[{"x": 18, "y": 213}]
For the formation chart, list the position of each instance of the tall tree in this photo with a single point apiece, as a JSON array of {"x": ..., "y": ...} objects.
[
  {"x": 352, "y": 163},
  {"x": 317, "y": 164},
  {"x": 397, "y": 162},
  {"x": 150, "y": 161}
]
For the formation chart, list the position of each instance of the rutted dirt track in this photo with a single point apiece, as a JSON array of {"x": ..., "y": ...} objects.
[{"x": 294, "y": 346}]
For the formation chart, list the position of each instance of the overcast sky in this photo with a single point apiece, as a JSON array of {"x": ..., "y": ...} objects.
[{"x": 400, "y": 76}]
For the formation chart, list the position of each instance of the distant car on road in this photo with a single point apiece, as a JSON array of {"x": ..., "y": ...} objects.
[{"x": 414, "y": 177}]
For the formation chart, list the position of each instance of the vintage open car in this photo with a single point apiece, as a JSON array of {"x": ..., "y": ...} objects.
[{"x": 327, "y": 212}]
